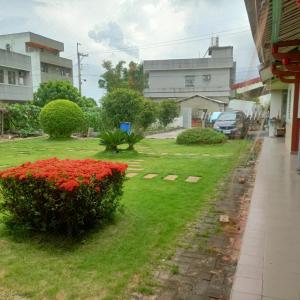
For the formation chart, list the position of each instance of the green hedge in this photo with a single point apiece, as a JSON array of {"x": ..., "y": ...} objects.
[
  {"x": 60, "y": 118},
  {"x": 199, "y": 136}
]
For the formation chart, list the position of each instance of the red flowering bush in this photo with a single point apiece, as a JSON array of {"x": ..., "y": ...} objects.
[{"x": 65, "y": 196}]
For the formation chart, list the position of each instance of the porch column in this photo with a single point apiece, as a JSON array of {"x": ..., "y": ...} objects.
[{"x": 295, "y": 124}]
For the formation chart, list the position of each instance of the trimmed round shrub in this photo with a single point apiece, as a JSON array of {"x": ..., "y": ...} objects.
[
  {"x": 60, "y": 118},
  {"x": 65, "y": 196},
  {"x": 200, "y": 136}
]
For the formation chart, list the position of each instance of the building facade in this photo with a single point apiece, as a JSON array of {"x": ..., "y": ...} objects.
[
  {"x": 44, "y": 55},
  {"x": 276, "y": 33},
  {"x": 181, "y": 78},
  {"x": 15, "y": 77}
]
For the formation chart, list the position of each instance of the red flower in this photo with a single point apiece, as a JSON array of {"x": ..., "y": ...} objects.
[{"x": 65, "y": 174}]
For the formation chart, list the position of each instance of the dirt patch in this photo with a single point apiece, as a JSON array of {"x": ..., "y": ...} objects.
[{"x": 205, "y": 260}]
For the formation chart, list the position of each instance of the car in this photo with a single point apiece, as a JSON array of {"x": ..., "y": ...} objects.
[{"x": 232, "y": 123}]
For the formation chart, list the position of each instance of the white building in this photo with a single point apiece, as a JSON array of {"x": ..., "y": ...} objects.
[
  {"x": 180, "y": 78},
  {"x": 43, "y": 53}
]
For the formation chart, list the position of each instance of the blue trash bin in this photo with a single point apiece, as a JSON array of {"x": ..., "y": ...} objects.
[{"x": 125, "y": 127}]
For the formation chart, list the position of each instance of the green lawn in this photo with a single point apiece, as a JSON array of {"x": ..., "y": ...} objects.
[{"x": 109, "y": 261}]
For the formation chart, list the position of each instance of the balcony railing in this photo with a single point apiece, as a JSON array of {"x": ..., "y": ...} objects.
[{"x": 9, "y": 92}]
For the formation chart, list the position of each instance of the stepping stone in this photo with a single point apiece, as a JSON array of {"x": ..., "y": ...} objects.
[
  {"x": 134, "y": 169},
  {"x": 192, "y": 179},
  {"x": 150, "y": 176},
  {"x": 130, "y": 175},
  {"x": 171, "y": 177}
]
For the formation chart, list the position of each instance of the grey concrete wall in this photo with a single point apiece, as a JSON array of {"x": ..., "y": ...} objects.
[
  {"x": 14, "y": 60},
  {"x": 14, "y": 93},
  {"x": 167, "y": 77},
  {"x": 198, "y": 103}
]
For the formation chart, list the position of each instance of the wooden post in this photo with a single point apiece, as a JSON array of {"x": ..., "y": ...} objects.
[{"x": 295, "y": 124}]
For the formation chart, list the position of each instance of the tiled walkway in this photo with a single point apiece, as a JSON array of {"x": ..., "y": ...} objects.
[{"x": 269, "y": 264}]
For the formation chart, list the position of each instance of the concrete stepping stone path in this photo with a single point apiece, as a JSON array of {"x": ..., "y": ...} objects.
[
  {"x": 130, "y": 175},
  {"x": 192, "y": 179},
  {"x": 150, "y": 176},
  {"x": 171, "y": 177},
  {"x": 135, "y": 169}
]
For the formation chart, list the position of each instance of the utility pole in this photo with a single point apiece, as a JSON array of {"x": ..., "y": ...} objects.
[{"x": 80, "y": 56}]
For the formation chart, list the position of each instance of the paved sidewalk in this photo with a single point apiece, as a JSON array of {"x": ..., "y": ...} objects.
[
  {"x": 165, "y": 135},
  {"x": 269, "y": 263}
]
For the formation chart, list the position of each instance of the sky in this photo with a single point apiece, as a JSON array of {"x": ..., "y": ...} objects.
[{"x": 134, "y": 30}]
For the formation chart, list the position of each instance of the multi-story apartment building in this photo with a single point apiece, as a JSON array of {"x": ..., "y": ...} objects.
[
  {"x": 15, "y": 77},
  {"x": 182, "y": 78},
  {"x": 43, "y": 55}
]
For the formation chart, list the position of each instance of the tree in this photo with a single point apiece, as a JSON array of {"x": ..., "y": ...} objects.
[
  {"x": 122, "y": 105},
  {"x": 57, "y": 89},
  {"x": 60, "y": 89},
  {"x": 135, "y": 77},
  {"x": 149, "y": 114},
  {"x": 87, "y": 102},
  {"x": 120, "y": 76},
  {"x": 168, "y": 110}
]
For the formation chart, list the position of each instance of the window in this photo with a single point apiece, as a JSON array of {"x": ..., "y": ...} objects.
[
  {"x": 189, "y": 80},
  {"x": 11, "y": 77},
  {"x": 1, "y": 76},
  {"x": 206, "y": 77},
  {"x": 44, "y": 67},
  {"x": 21, "y": 77},
  {"x": 63, "y": 72}
]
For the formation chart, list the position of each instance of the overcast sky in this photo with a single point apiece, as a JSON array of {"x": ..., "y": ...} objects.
[{"x": 134, "y": 30}]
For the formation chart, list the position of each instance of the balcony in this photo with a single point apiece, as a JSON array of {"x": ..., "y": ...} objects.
[
  {"x": 9, "y": 92},
  {"x": 52, "y": 59}
]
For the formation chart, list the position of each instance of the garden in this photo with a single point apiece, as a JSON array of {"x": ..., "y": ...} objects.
[
  {"x": 92, "y": 218},
  {"x": 119, "y": 258}
]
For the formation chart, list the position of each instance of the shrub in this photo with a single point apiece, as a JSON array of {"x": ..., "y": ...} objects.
[
  {"x": 168, "y": 111},
  {"x": 67, "y": 196},
  {"x": 200, "y": 136},
  {"x": 149, "y": 114},
  {"x": 123, "y": 105},
  {"x": 22, "y": 119},
  {"x": 60, "y": 118},
  {"x": 131, "y": 139},
  {"x": 112, "y": 139}
]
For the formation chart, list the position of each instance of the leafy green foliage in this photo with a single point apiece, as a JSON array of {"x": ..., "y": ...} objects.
[
  {"x": 22, "y": 119},
  {"x": 87, "y": 102},
  {"x": 60, "y": 89},
  {"x": 148, "y": 114},
  {"x": 60, "y": 118},
  {"x": 112, "y": 139},
  {"x": 200, "y": 136},
  {"x": 168, "y": 110},
  {"x": 132, "y": 138},
  {"x": 122, "y": 105},
  {"x": 93, "y": 118},
  {"x": 120, "y": 76}
]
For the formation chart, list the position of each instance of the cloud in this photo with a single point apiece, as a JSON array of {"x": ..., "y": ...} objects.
[{"x": 113, "y": 35}]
